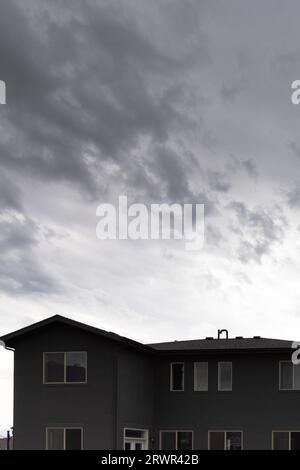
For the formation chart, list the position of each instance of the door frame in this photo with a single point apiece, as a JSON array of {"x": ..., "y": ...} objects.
[{"x": 143, "y": 440}]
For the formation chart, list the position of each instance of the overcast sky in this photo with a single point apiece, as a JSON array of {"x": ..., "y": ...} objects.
[{"x": 163, "y": 101}]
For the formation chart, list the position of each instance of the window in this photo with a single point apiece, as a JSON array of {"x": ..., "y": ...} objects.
[
  {"x": 286, "y": 440},
  {"x": 225, "y": 440},
  {"x": 177, "y": 377},
  {"x": 135, "y": 439},
  {"x": 64, "y": 438},
  {"x": 176, "y": 440},
  {"x": 200, "y": 376},
  {"x": 224, "y": 376},
  {"x": 65, "y": 367},
  {"x": 289, "y": 376}
]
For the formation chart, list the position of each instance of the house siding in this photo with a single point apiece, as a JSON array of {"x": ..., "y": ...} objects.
[
  {"x": 98, "y": 406},
  {"x": 129, "y": 387},
  {"x": 255, "y": 405}
]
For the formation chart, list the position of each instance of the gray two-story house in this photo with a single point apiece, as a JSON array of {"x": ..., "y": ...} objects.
[{"x": 79, "y": 387}]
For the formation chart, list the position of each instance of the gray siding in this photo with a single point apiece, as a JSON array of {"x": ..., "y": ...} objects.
[
  {"x": 255, "y": 405},
  {"x": 129, "y": 387},
  {"x": 97, "y": 406}
]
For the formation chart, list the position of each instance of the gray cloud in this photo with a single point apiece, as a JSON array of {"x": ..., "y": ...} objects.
[
  {"x": 258, "y": 231},
  {"x": 293, "y": 198},
  {"x": 231, "y": 90},
  {"x": 61, "y": 106},
  {"x": 20, "y": 269},
  {"x": 165, "y": 101},
  {"x": 10, "y": 194}
]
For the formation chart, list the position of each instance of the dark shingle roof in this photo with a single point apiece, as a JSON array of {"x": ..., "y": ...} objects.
[
  {"x": 10, "y": 338},
  {"x": 223, "y": 344},
  {"x": 208, "y": 345}
]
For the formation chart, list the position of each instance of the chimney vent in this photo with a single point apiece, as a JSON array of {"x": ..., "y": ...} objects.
[
  {"x": 238, "y": 337},
  {"x": 220, "y": 332},
  {"x": 209, "y": 337},
  {"x": 257, "y": 337}
]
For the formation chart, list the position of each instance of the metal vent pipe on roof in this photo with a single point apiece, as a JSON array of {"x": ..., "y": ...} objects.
[{"x": 220, "y": 332}]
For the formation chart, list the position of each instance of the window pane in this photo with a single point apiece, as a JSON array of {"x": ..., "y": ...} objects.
[
  {"x": 184, "y": 440},
  {"x": 55, "y": 439},
  {"x": 286, "y": 375},
  {"x": 216, "y": 440},
  {"x": 177, "y": 377},
  {"x": 127, "y": 445},
  {"x": 54, "y": 367},
  {"x": 233, "y": 440},
  {"x": 76, "y": 367},
  {"x": 200, "y": 376},
  {"x": 73, "y": 439},
  {"x": 225, "y": 376},
  {"x": 281, "y": 441},
  {"x": 168, "y": 440},
  {"x": 134, "y": 433},
  {"x": 297, "y": 376},
  {"x": 295, "y": 440}
]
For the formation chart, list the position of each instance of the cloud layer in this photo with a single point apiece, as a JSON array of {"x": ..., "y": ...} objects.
[{"x": 165, "y": 101}]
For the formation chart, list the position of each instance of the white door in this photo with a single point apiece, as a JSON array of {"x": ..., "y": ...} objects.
[
  {"x": 135, "y": 439},
  {"x": 132, "y": 444}
]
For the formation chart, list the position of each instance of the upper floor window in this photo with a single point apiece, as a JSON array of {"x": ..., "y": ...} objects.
[
  {"x": 286, "y": 440},
  {"x": 65, "y": 367},
  {"x": 177, "y": 377},
  {"x": 224, "y": 376},
  {"x": 289, "y": 376},
  {"x": 64, "y": 438},
  {"x": 200, "y": 376}
]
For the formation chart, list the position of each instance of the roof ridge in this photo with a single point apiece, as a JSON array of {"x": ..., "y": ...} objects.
[{"x": 69, "y": 321}]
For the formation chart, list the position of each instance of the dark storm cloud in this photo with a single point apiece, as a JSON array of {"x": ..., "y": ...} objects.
[
  {"x": 93, "y": 80},
  {"x": 293, "y": 198},
  {"x": 218, "y": 181},
  {"x": 231, "y": 90},
  {"x": 258, "y": 230},
  {"x": 20, "y": 269},
  {"x": 17, "y": 234},
  {"x": 10, "y": 194},
  {"x": 24, "y": 276},
  {"x": 250, "y": 168},
  {"x": 295, "y": 149}
]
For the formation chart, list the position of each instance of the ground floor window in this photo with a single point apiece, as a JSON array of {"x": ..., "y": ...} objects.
[
  {"x": 135, "y": 439},
  {"x": 225, "y": 440},
  {"x": 176, "y": 440},
  {"x": 286, "y": 440},
  {"x": 64, "y": 438}
]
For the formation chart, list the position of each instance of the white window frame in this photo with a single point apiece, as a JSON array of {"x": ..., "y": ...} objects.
[
  {"x": 225, "y": 440},
  {"x": 171, "y": 376},
  {"x": 219, "y": 377},
  {"x": 139, "y": 439},
  {"x": 65, "y": 367},
  {"x": 64, "y": 428},
  {"x": 176, "y": 431},
  {"x": 201, "y": 389},
  {"x": 283, "y": 430},
  {"x": 287, "y": 389}
]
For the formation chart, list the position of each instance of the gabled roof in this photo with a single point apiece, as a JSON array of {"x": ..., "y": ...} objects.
[
  {"x": 231, "y": 344},
  {"x": 10, "y": 338},
  {"x": 208, "y": 345}
]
